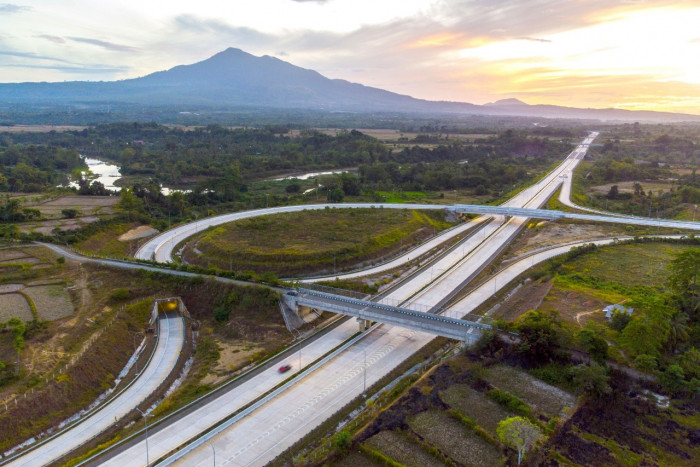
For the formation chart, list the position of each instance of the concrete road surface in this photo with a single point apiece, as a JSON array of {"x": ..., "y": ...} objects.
[{"x": 170, "y": 342}]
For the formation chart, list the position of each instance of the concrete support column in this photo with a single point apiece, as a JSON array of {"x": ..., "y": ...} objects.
[{"x": 364, "y": 324}]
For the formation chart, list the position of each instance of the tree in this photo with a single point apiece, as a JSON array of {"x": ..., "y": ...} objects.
[
  {"x": 594, "y": 343},
  {"x": 541, "y": 335},
  {"x": 683, "y": 278},
  {"x": 518, "y": 433},
  {"x": 678, "y": 330},
  {"x": 335, "y": 195},
  {"x": 593, "y": 379},
  {"x": 129, "y": 202},
  {"x": 613, "y": 192}
]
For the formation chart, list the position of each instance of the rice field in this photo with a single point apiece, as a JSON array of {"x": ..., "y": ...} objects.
[
  {"x": 539, "y": 395},
  {"x": 402, "y": 449},
  {"x": 475, "y": 405},
  {"x": 453, "y": 439},
  {"x": 52, "y": 301},
  {"x": 14, "y": 305}
]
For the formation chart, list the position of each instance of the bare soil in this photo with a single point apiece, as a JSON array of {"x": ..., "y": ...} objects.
[
  {"x": 574, "y": 307},
  {"x": 529, "y": 297},
  {"x": 544, "y": 234},
  {"x": 142, "y": 231},
  {"x": 232, "y": 358}
]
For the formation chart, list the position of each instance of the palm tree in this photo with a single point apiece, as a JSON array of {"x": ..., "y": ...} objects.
[{"x": 678, "y": 331}]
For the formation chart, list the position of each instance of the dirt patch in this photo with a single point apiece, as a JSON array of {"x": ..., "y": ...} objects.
[
  {"x": 141, "y": 231},
  {"x": 14, "y": 305},
  {"x": 554, "y": 234},
  {"x": 232, "y": 357},
  {"x": 576, "y": 308},
  {"x": 529, "y": 297}
]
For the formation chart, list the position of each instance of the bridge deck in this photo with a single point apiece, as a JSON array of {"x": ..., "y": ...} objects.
[{"x": 372, "y": 311}]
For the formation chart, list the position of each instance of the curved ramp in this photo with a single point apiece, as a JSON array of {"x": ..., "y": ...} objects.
[{"x": 171, "y": 338}]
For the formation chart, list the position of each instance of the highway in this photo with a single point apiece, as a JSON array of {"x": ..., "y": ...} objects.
[
  {"x": 170, "y": 342},
  {"x": 280, "y": 421}
]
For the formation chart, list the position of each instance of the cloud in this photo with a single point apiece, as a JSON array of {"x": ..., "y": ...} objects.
[
  {"x": 191, "y": 23},
  {"x": 81, "y": 69},
  {"x": 105, "y": 44},
  {"x": 320, "y": 2},
  {"x": 32, "y": 56},
  {"x": 9, "y": 8},
  {"x": 55, "y": 39},
  {"x": 533, "y": 39}
]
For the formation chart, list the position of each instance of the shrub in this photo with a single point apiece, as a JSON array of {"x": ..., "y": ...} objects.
[
  {"x": 509, "y": 402},
  {"x": 341, "y": 441},
  {"x": 120, "y": 294}
]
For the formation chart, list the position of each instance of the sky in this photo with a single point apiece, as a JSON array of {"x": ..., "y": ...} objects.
[{"x": 631, "y": 54}]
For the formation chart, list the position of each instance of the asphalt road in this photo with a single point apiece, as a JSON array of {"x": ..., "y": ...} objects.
[{"x": 170, "y": 342}]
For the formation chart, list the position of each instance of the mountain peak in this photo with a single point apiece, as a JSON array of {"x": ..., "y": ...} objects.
[{"x": 506, "y": 102}]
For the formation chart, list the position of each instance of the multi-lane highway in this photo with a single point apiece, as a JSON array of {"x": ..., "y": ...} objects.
[
  {"x": 278, "y": 422},
  {"x": 170, "y": 342}
]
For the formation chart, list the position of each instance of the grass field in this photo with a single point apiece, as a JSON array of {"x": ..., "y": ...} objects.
[
  {"x": 107, "y": 242},
  {"x": 312, "y": 241},
  {"x": 629, "y": 265}
]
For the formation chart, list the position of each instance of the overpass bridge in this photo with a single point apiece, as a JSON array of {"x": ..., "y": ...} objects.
[
  {"x": 550, "y": 214},
  {"x": 366, "y": 311}
]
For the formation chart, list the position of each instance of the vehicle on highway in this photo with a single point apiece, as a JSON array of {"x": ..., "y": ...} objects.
[{"x": 285, "y": 368}]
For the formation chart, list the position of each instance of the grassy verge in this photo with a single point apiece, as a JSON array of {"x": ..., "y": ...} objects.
[{"x": 312, "y": 241}]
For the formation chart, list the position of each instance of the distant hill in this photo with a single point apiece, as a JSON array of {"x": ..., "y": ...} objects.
[{"x": 234, "y": 78}]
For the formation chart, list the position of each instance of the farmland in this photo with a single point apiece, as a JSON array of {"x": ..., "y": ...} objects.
[{"x": 79, "y": 333}]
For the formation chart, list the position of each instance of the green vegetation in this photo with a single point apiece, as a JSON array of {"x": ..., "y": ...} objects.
[
  {"x": 645, "y": 171},
  {"x": 311, "y": 241},
  {"x": 518, "y": 433}
]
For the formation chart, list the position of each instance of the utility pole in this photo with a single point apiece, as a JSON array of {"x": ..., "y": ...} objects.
[
  {"x": 145, "y": 421},
  {"x": 214, "y": 450}
]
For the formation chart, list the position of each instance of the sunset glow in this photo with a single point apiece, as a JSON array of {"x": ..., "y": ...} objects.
[{"x": 634, "y": 55}]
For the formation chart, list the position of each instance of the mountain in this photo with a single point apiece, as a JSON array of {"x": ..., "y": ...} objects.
[
  {"x": 234, "y": 79},
  {"x": 505, "y": 102}
]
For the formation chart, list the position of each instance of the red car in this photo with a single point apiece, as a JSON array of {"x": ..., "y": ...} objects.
[{"x": 284, "y": 368}]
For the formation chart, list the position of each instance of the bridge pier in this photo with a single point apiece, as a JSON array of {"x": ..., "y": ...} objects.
[{"x": 364, "y": 324}]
